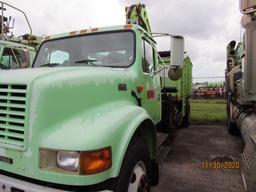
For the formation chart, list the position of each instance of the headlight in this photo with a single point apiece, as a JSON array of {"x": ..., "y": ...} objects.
[
  {"x": 83, "y": 162},
  {"x": 68, "y": 160}
]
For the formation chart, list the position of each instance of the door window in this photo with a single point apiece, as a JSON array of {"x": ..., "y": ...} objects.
[
  {"x": 147, "y": 57},
  {"x": 14, "y": 58}
]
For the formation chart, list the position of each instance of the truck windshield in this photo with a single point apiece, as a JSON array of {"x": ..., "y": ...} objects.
[{"x": 112, "y": 49}]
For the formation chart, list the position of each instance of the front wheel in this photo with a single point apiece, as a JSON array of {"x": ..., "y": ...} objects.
[{"x": 135, "y": 172}]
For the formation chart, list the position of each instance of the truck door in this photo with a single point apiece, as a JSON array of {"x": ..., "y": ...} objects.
[{"x": 151, "y": 97}]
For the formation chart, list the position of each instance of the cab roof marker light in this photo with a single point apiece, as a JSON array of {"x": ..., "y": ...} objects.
[
  {"x": 128, "y": 26},
  {"x": 46, "y": 38},
  {"x": 83, "y": 31},
  {"x": 72, "y": 33},
  {"x": 95, "y": 29}
]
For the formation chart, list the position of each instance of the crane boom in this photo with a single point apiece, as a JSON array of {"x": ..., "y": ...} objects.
[{"x": 137, "y": 14}]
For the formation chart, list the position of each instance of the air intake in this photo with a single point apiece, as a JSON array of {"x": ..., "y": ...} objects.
[{"x": 12, "y": 115}]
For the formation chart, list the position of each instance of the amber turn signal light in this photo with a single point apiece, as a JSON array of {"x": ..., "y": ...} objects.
[
  {"x": 92, "y": 162},
  {"x": 140, "y": 88}
]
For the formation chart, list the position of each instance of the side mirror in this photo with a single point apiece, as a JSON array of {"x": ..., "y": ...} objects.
[
  {"x": 177, "y": 51},
  {"x": 175, "y": 73}
]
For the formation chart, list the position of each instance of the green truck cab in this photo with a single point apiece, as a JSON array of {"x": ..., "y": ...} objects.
[{"x": 86, "y": 116}]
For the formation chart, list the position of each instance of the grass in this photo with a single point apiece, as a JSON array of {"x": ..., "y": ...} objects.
[{"x": 208, "y": 111}]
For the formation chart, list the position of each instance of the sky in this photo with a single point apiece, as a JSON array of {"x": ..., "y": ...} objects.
[{"x": 207, "y": 25}]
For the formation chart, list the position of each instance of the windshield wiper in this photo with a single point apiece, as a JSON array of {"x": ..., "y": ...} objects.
[
  {"x": 49, "y": 65},
  {"x": 89, "y": 61}
]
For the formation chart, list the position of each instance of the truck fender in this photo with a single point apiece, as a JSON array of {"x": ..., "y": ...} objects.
[
  {"x": 113, "y": 124},
  {"x": 140, "y": 125}
]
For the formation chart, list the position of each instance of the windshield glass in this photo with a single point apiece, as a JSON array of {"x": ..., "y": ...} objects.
[{"x": 113, "y": 49}]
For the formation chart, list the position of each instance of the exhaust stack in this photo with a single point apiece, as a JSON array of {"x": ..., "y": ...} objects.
[{"x": 231, "y": 53}]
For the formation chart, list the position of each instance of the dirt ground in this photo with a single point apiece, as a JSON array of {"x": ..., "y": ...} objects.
[{"x": 182, "y": 170}]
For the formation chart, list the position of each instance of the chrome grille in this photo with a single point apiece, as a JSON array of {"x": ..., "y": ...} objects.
[{"x": 12, "y": 115}]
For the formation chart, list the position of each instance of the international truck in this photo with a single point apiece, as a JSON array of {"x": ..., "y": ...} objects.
[
  {"x": 92, "y": 112},
  {"x": 15, "y": 51},
  {"x": 241, "y": 89}
]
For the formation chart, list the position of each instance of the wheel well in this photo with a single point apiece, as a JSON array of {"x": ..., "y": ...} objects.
[{"x": 147, "y": 131}]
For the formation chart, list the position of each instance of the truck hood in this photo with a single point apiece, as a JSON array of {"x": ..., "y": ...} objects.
[
  {"x": 52, "y": 96},
  {"x": 26, "y": 76},
  {"x": 72, "y": 109}
]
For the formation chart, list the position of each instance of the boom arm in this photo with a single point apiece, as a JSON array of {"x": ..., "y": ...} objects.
[
  {"x": 137, "y": 14},
  {"x": 2, "y": 17}
]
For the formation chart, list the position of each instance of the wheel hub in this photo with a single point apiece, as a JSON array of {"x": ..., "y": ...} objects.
[{"x": 139, "y": 181}]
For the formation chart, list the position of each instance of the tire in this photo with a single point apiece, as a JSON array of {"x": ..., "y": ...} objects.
[
  {"x": 186, "y": 118},
  {"x": 135, "y": 171},
  {"x": 232, "y": 127}
]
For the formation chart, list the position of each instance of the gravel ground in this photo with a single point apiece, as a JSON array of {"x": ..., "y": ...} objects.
[{"x": 182, "y": 170}]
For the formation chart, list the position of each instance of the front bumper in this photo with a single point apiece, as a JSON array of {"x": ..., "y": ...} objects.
[{"x": 9, "y": 184}]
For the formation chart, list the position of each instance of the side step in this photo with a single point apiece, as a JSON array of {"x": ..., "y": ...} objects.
[
  {"x": 161, "y": 138},
  {"x": 249, "y": 171},
  {"x": 247, "y": 160},
  {"x": 163, "y": 147},
  {"x": 253, "y": 137},
  {"x": 162, "y": 152}
]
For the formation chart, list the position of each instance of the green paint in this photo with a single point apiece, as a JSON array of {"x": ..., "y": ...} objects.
[
  {"x": 184, "y": 84},
  {"x": 81, "y": 109}
]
